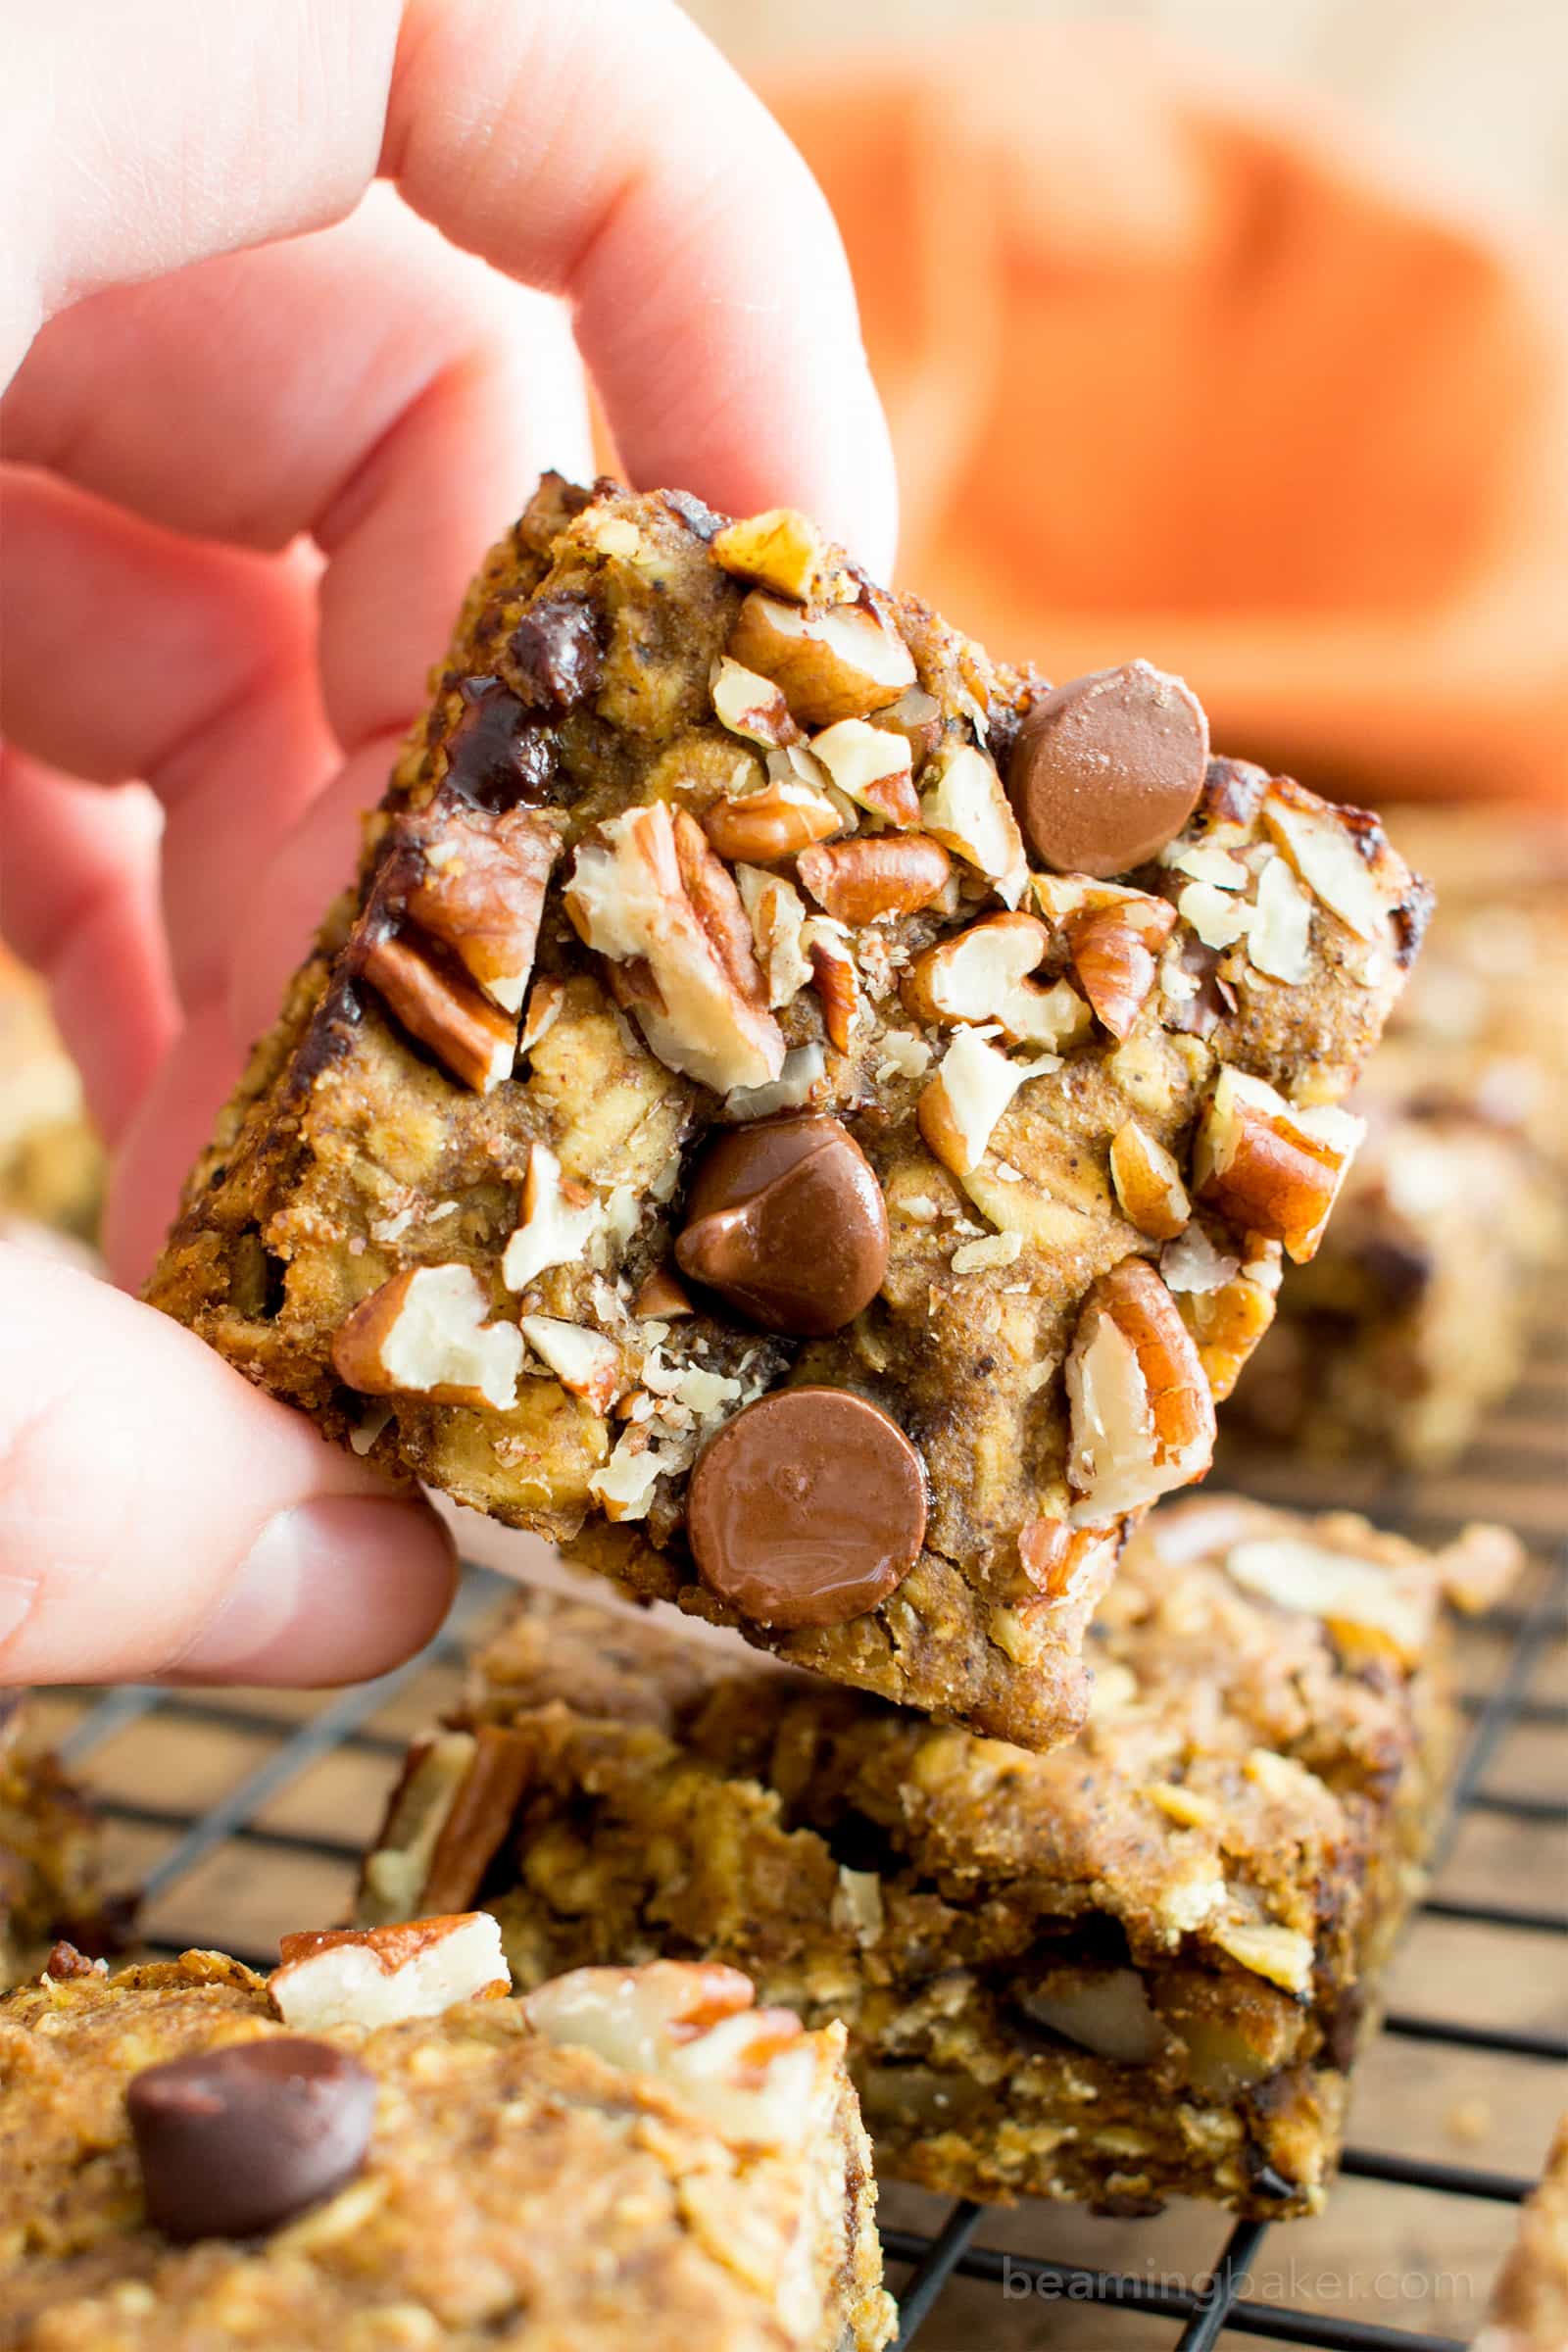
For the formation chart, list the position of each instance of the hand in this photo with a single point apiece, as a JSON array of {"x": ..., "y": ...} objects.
[{"x": 245, "y": 482}]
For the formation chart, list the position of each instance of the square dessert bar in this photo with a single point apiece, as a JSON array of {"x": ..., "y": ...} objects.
[
  {"x": 800, "y": 1113},
  {"x": 49, "y": 1849},
  {"x": 1135, "y": 1967},
  {"x": 374, "y": 2150}
]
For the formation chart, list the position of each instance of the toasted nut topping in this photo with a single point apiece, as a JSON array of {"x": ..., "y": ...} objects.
[
  {"x": 559, "y": 1222},
  {"x": 796, "y": 1085},
  {"x": 748, "y": 2072},
  {"x": 583, "y": 1361},
  {"x": 1341, "y": 1587},
  {"x": 842, "y": 663},
  {"x": 860, "y": 881},
  {"x": 647, "y": 892},
  {"x": 1281, "y": 923},
  {"x": 965, "y": 808},
  {"x": 1057, "y": 1559},
  {"x": 662, "y": 1297},
  {"x": 836, "y": 981},
  {"x": 776, "y": 912},
  {"x": 1226, "y": 1317},
  {"x": 378, "y": 1975},
  {"x": 448, "y": 1817},
  {"x": 1480, "y": 1565},
  {"x": 545, "y": 1001},
  {"x": 1143, "y": 1419},
  {"x": 1147, "y": 1184},
  {"x": 873, "y": 765},
  {"x": 960, "y": 1107},
  {"x": 1319, "y": 845},
  {"x": 761, "y": 827},
  {"x": 781, "y": 550},
  {"x": 751, "y": 706},
  {"x": 478, "y": 884},
  {"x": 424, "y": 1334},
  {"x": 471, "y": 1037},
  {"x": 1114, "y": 951},
  {"x": 917, "y": 717},
  {"x": 1269, "y": 1165},
  {"x": 982, "y": 975}
]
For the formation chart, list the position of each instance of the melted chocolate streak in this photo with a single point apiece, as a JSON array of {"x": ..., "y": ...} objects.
[{"x": 502, "y": 754}]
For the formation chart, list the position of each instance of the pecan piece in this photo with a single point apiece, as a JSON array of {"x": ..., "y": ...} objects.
[
  {"x": 438, "y": 1004},
  {"x": 860, "y": 881},
  {"x": 477, "y": 885},
  {"x": 1271, "y": 1167},
  {"x": 647, "y": 892},
  {"x": 379, "y": 1976},
  {"x": 757, "y": 828},
  {"x": 1147, "y": 1184},
  {"x": 424, "y": 1334},
  {"x": 982, "y": 975},
  {"x": 1114, "y": 950},
  {"x": 842, "y": 663},
  {"x": 1142, "y": 1416}
]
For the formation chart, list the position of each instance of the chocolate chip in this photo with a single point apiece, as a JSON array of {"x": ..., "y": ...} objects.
[
  {"x": 787, "y": 1222},
  {"x": 496, "y": 757},
  {"x": 807, "y": 1508},
  {"x": 1108, "y": 769},
  {"x": 237, "y": 2140},
  {"x": 555, "y": 656}
]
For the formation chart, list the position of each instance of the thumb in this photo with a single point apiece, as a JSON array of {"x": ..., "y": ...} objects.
[{"x": 159, "y": 1516}]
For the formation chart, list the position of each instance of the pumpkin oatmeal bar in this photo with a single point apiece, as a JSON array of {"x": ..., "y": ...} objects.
[
  {"x": 1129, "y": 1969},
  {"x": 374, "y": 2149},
  {"x": 803, "y": 1114},
  {"x": 49, "y": 1858}
]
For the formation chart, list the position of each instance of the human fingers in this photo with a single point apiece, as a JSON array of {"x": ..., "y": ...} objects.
[
  {"x": 129, "y": 1549},
  {"x": 603, "y": 151}
]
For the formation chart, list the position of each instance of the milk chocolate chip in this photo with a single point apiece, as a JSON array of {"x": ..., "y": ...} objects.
[
  {"x": 807, "y": 1508},
  {"x": 787, "y": 1222},
  {"x": 235, "y": 2142},
  {"x": 1108, "y": 769}
]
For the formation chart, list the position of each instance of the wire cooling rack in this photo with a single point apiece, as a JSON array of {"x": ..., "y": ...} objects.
[{"x": 243, "y": 1814}]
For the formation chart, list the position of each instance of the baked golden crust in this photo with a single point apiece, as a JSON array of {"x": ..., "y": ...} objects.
[
  {"x": 515, "y": 2192},
  {"x": 382, "y": 1169},
  {"x": 1113, "y": 1973},
  {"x": 49, "y": 1858}
]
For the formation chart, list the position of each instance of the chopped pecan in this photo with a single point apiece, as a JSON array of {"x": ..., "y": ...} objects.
[
  {"x": 960, "y": 1107},
  {"x": 647, "y": 892},
  {"x": 871, "y": 765},
  {"x": 781, "y": 550},
  {"x": 964, "y": 806},
  {"x": 1148, "y": 1183},
  {"x": 1142, "y": 1416},
  {"x": 424, "y": 1334},
  {"x": 438, "y": 1004},
  {"x": 379, "y": 1976},
  {"x": 757, "y": 828},
  {"x": 1114, "y": 950},
  {"x": 478, "y": 887},
  {"x": 982, "y": 975},
  {"x": 583, "y": 1361},
  {"x": 751, "y": 706},
  {"x": 842, "y": 663},
  {"x": 1271, "y": 1167},
  {"x": 834, "y": 977},
  {"x": 859, "y": 881}
]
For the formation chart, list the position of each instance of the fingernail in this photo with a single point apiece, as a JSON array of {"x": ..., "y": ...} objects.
[{"x": 332, "y": 1591}]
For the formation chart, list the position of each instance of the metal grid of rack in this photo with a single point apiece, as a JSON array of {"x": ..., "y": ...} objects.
[{"x": 283, "y": 1741}]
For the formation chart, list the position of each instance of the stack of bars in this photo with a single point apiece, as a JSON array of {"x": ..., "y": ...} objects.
[{"x": 812, "y": 1120}]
